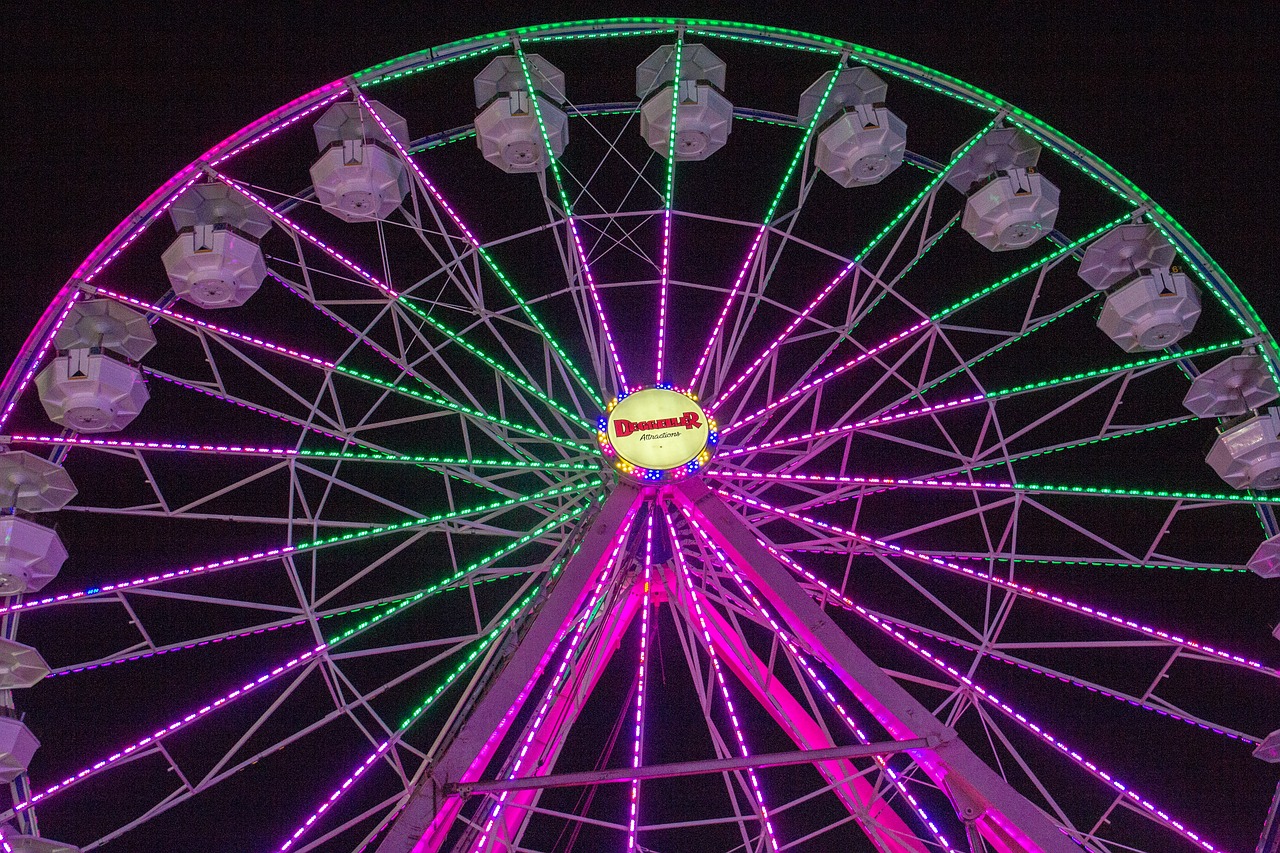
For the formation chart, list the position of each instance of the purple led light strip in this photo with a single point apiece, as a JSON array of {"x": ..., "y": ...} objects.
[
  {"x": 1016, "y": 588},
  {"x": 295, "y": 228},
  {"x": 114, "y": 758},
  {"x": 898, "y": 782},
  {"x": 179, "y": 446},
  {"x": 869, "y": 422},
  {"x": 30, "y": 372},
  {"x": 557, "y": 680},
  {"x": 219, "y": 330},
  {"x": 274, "y": 553},
  {"x": 855, "y": 263},
  {"x": 179, "y": 647},
  {"x": 765, "y": 821},
  {"x": 663, "y": 285},
  {"x": 830, "y": 594},
  {"x": 764, "y": 227},
  {"x": 226, "y": 398},
  {"x": 435, "y": 193},
  {"x": 830, "y": 374},
  {"x": 641, "y": 680},
  {"x": 786, "y": 333},
  {"x": 1122, "y": 790},
  {"x": 1065, "y": 678}
]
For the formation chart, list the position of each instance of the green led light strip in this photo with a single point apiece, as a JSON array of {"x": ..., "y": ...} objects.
[
  {"x": 1108, "y": 371},
  {"x": 538, "y": 324},
  {"x": 460, "y": 461},
  {"x": 458, "y": 407},
  {"x": 471, "y": 657},
  {"x": 954, "y": 372},
  {"x": 520, "y": 381},
  {"x": 1073, "y": 445},
  {"x": 1035, "y": 265},
  {"x": 459, "y": 575},
  {"x": 443, "y": 516},
  {"x": 678, "y": 56},
  {"x": 1119, "y": 565},
  {"x": 928, "y": 188}
]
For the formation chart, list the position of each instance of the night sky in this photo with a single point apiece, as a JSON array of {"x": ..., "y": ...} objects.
[{"x": 104, "y": 109}]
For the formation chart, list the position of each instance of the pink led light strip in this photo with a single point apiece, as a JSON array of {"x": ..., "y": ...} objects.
[
  {"x": 557, "y": 680},
  {"x": 870, "y": 422},
  {"x": 284, "y": 550},
  {"x": 219, "y": 330},
  {"x": 765, "y": 821},
  {"x": 894, "y": 778},
  {"x": 295, "y": 228},
  {"x": 641, "y": 680},
  {"x": 1016, "y": 588},
  {"x": 435, "y": 193},
  {"x": 830, "y": 594},
  {"x": 830, "y": 374},
  {"x": 1114, "y": 783},
  {"x": 114, "y": 758},
  {"x": 663, "y": 286}
]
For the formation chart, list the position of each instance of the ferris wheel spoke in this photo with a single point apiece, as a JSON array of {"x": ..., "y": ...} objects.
[
  {"x": 1003, "y": 653},
  {"x": 403, "y": 363},
  {"x": 863, "y": 486},
  {"x": 696, "y": 379},
  {"x": 477, "y": 653},
  {"x": 912, "y": 208},
  {"x": 270, "y": 555},
  {"x": 1100, "y": 374},
  {"x": 452, "y": 464},
  {"x": 426, "y": 186}
]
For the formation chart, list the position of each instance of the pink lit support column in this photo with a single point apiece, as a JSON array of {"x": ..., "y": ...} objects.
[
  {"x": 1006, "y": 819},
  {"x": 882, "y": 825},
  {"x": 547, "y": 738},
  {"x": 426, "y": 815}
]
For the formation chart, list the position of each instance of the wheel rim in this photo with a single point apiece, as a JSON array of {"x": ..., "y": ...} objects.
[{"x": 954, "y": 531}]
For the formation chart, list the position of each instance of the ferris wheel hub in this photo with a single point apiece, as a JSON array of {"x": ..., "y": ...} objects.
[{"x": 656, "y": 434}]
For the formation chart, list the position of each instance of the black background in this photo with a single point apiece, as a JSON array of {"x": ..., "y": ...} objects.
[{"x": 102, "y": 108}]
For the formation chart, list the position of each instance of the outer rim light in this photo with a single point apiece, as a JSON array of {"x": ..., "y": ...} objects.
[{"x": 665, "y": 402}]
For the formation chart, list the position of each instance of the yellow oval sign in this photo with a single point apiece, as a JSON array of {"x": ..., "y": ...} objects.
[{"x": 658, "y": 429}]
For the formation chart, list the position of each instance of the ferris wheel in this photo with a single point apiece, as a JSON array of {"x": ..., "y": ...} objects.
[{"x": 645, "y": 435}]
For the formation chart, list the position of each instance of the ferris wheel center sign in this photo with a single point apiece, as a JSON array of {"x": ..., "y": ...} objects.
[{"x": 658, "y": 429}]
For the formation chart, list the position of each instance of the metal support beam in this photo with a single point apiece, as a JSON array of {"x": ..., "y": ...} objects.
[
  {"x": 692, "y": 768},
  {"x": 1008, "y": 820},
  {"x": 468, "y": 753}
]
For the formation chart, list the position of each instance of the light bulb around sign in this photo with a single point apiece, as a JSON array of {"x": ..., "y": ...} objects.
[{"x": 657, "y": 435}]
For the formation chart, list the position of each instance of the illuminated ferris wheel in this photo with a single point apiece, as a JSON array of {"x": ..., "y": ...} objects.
[{"x": 642, "y": 435}]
